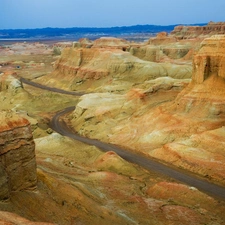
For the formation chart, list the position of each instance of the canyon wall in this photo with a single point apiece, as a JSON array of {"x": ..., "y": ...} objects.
[{"x": 17, "y": 155}]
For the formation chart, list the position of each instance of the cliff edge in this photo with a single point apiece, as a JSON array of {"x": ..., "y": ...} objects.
[{"x": 17, "y": 155}]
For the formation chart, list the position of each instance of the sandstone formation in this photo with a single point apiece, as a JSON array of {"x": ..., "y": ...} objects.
[
  {"x": 12, "y": 94},
  {"x": 169, "y": 130},
  {"x": 178, "y": 46},
  {"x": 210, "y": 60},
  {"x": 17, "y": 155},
  {"x": 83, "y": 42},
  {"x": 110, "y": 42},
  {"x": 202, "y": 103},
  {"x": 175, "y": 52},
  {"x": 187, "y": 32},
  {"x": 87, "y": 69},
  {"x": 162, "y": 38},
  {"x": 166, "y": 48}
]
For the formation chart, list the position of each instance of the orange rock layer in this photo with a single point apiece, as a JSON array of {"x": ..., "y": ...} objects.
[
  {"x": 17, "y": 155},
  {"x": 9, "y": 121}
]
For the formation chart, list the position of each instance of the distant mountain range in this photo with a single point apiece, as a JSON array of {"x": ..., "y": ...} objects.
[{"x": 129, "y": 32}]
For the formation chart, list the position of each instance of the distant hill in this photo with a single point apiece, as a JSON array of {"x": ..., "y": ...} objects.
[{"x": 92, "y": 33}]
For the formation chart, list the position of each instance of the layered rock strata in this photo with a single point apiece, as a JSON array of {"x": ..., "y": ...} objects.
[
  {"x": 186, "y": 32},
  {"x": 210, "y": 60},
  {"x": 166, "y": 48},
  {"x": 113, "y": 43},
  {"x": 93, "y": 67},
  {"x": 17, "y": 155},
  {"x": 179, "y": 44},
  {"x": 172, "y": 130},
  {"x": 162, "y": 38},
  {"x": 83, "y": 43},
  {"x": 7, "y": 218}
]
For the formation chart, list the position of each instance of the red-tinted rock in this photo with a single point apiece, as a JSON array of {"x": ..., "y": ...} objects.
[{"x": 17, "y": 155}]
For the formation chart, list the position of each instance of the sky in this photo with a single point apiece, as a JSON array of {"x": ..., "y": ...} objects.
[{"x": 22, "y": 14}]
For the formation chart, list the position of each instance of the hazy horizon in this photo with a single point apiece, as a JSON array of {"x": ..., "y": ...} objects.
[
  {"x": 35, "y": 14},
  {"x": 101, "y": 27}
]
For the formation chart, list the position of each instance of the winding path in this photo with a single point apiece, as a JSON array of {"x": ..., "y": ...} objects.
[{"x": 190, "y": 179}]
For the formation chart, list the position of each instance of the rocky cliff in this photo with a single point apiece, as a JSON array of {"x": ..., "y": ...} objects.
[
  {"x": 178, "y": 46},
  {"x": 187, "y": 32},
  {"x": 210, "y": 60},
  {"x": 166, "y": 48},
  {"x": 17, "y": 155}
]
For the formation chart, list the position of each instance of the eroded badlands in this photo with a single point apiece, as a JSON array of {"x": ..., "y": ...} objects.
[{"x": 163, "y": 98}]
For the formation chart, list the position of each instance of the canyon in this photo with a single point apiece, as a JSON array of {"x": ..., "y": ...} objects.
[{"x": 162, "y": 99}]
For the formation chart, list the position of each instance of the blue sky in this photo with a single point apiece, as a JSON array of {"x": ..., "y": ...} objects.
[{"x": 107, "y": 13}]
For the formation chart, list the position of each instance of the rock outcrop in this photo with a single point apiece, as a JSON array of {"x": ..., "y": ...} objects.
[
  {"x": 111, "y": 42},
  {"x": 17, "y": 155},
  {"x": 166, "y": 48},
  {"x": 83, "y": 43},
  {"x": 206, "y": 91},
  {"x": 170, "y": 52},
  {"x": 162, "y": 38},
  {"x": 83, "y": 68},
  {"x": 210, "y": 60},
  {"x": 187, "y": 32},
  {"x": 180, "y": 44}
]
